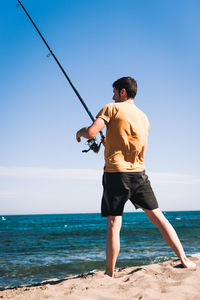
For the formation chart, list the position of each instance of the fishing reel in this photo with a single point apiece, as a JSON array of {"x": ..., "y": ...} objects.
[{"x": 93, "y": 145}]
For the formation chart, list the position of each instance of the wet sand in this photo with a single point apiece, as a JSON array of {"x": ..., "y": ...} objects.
[{"x": 162, "y": 281}]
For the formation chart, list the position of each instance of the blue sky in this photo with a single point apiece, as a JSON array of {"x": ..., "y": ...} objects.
[{"x": 42, "y": 168}]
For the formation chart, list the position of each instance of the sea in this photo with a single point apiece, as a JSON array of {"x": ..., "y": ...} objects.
[{"x": 34, "y": 248}]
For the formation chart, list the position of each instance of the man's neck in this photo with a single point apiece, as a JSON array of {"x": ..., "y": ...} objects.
[{"x": 129, "y": 100}]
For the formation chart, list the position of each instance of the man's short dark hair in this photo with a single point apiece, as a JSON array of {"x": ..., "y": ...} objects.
[{"x": 127, "y": 83}]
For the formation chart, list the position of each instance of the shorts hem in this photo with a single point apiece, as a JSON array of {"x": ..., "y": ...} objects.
[{"x": 111, "y": 215}]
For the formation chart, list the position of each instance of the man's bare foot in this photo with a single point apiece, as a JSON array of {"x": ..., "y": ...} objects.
[
  {"x": 187, "y": 263},
  {"x": 111, "y": 274}
]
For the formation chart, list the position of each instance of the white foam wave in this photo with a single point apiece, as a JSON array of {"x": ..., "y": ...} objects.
[{"x": 196, "y": 254}]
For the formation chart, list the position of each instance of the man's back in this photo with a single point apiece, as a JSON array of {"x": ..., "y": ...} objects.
[{"x": 127, "y": 130}]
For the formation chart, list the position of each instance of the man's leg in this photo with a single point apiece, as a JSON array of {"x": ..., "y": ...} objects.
[
  {"x": 169, "y": 235},
  {"x": 114, "y": 224}
]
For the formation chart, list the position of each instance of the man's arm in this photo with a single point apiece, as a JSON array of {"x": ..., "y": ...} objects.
[
  {"x": 90, "y": 132},
  {"x": 144, "y": 150}
]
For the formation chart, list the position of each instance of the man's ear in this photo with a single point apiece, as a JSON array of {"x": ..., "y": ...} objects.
[{"x": 123, "y": 93}]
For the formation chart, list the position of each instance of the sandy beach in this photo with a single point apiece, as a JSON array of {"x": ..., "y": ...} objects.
[{"x": 168, "y": 280}]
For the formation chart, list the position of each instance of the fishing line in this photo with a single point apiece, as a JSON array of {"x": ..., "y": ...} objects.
[{"x": 92, "y": 143}]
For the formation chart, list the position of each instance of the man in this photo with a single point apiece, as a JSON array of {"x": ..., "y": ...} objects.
[{"x": 124, "y": 173}]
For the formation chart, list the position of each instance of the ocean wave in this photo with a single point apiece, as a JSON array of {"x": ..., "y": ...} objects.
[{"x": 196, "y": 254}]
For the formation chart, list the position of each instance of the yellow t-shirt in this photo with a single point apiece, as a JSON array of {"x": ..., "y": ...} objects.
[{"x": 126, "y": 132}]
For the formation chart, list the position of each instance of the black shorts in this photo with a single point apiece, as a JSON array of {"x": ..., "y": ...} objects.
[{"x": 121, "y": 186}]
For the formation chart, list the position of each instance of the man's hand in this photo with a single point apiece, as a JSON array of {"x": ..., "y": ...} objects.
[
  {"x": 141, "y": 154},
  {"x": 90, "y": 132},
  {"x": 103, "y": 141},
  {"x": 78, "y": 136},
  {"x": 143, "y": 151}
]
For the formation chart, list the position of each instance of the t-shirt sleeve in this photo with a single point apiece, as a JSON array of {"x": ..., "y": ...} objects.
[{"x": 106, "y": 113}]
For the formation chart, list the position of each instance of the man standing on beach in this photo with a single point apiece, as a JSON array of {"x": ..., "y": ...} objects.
[{"x": 124, "y": 172}]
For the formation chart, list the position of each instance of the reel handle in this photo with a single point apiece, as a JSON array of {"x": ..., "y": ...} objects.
[{"x": 93, "y": 145}]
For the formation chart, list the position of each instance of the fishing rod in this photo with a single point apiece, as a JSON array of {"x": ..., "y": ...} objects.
[{"x": 92, "y": 143}]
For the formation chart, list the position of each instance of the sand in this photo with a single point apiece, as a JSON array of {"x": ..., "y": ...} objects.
[{"x": 168, "y": 280}]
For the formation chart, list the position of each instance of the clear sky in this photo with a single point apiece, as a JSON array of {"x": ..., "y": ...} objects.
[{"x": 42, "y": 168}]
